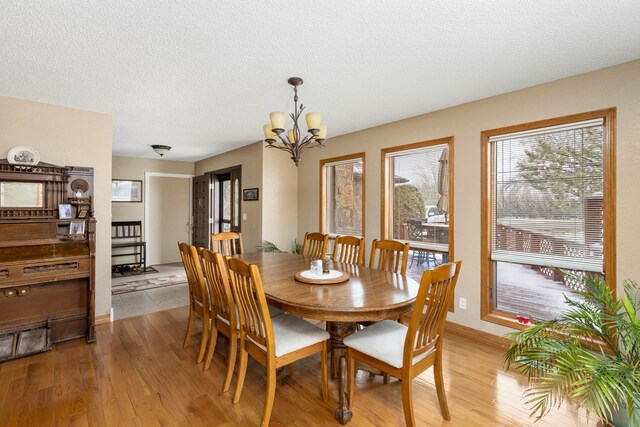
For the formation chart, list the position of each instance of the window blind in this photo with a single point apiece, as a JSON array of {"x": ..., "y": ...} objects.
[
  {"x": 432, "y": 149},
  {"x": 547, "y": 196}
]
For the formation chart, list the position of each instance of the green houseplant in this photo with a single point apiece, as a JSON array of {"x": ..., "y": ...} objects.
[
  {"x": 590, "y": 354},
  {"x": 270, "y": 247}
]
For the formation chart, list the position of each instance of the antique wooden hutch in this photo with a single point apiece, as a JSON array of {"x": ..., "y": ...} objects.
[{"x": 47, "y": 263}]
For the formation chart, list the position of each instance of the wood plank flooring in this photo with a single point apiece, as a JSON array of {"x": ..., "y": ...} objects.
[{"x": 138, "y": 374}]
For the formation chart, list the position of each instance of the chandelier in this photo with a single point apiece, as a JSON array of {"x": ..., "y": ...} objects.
[{"x": 293, "y": 142}]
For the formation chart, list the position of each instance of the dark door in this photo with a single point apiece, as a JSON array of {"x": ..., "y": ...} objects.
[
  {"x": 227, "y": 187},
  {"x": 201, "y": 227}
]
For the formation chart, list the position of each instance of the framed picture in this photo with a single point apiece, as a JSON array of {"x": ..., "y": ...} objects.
[
  {"x": 250, "y": 194},
  {"x": 126, "y": 190},
  {"x": 64, "y": 211},
  {"x": 23, "y": 155},
  {"x": 76, "y": 227},
  {"x": 82, "y": 213}
]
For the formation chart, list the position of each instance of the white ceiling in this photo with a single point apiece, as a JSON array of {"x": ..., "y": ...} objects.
[{"x": 203, "y": 75}]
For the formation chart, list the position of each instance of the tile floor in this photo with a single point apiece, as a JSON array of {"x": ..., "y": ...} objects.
[{"x": 149, "y": 301}]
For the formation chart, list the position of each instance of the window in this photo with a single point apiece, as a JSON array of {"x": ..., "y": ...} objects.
[
  {"x": 342, "y": 195},
  {"x": 417, "y": 201},
  {"x": 547, "y": 210}
]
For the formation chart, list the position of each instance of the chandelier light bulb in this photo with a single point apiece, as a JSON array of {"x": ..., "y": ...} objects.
[{"x": 293, "y": 142}]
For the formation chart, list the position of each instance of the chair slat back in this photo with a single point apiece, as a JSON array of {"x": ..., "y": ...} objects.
[
  {"x": 315, "y": 245},
  {"x": 349, "y": 250},
  {"x": 392, "y": 256},
  {"x": 248, "y": 293},
  {"x": 430, "y": 311},
  {"x": 195, "y": 279},
  {"x": 227, "y": 243},
  {"x": 215, "y": 271}
]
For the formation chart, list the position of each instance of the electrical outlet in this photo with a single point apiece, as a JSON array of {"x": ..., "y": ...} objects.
[
  {"x": 462, "y": 303},
  {"x": 244, "y": 216}
]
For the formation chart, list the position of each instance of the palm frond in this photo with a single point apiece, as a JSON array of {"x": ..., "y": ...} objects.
[
  {"x": 268, "y": 247},
  {"x": 554, "y": 357}
]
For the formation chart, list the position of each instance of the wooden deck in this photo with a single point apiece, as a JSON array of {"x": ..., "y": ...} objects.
[
  {"x": 532, "y": 294},
  {"x": 138, "y": 374}
]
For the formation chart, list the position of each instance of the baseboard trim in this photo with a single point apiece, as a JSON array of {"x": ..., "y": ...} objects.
[
  {"x": 480, "y": 337},
  {"x": 105, "y": 318}
]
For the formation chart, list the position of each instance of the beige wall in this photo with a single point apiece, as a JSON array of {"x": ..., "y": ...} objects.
[
  {"x": 69, "y": 137},
  {"x": 280, "y": 199},
  {"x": 168, "y": 214},
  {"x": 612, "y": 87},
  {"x": 134, "y": 169},
  {"x": 250, "y": 158}
]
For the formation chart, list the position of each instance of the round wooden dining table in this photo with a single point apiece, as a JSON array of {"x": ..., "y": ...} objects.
[{"x": 368, "y": 295}]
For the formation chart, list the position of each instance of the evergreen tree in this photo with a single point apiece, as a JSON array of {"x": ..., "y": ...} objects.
[
  {"x": 408, "y": 203},
  {"x": 564, "y": 167}
]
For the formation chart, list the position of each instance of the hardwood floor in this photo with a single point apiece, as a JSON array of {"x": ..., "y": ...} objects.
[{"x": 138, "y": 374}]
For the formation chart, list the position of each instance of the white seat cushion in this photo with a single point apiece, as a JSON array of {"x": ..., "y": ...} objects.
[
  {"x": 384, "y": 341},
  {"x": 293, "y": 333}
]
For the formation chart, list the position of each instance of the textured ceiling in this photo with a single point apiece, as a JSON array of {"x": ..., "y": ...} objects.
[{"x": 203, "y": 75}]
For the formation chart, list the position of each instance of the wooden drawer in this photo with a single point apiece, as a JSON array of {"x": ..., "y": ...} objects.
[
  {"x": 38, "y": 304},
  {"x": 14, "y": 274}
]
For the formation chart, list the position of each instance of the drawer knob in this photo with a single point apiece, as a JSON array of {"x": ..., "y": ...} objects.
[
  {"x": 10, "y": 294},
  {"x": 23, "y": 292}
]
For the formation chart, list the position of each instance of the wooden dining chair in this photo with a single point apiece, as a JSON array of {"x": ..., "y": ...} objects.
[
  {"x": 315, "y": 245},
  {"x": 198, "y": 296},
  {"x": 273, "y": 342},
  {"x": 227, "y": 243},
  {"x": 406, "y": 351},
  {"x": 392, "y": 256},
  {"x": 223, "y": 310},
  {"x": 349, "y": 250}
]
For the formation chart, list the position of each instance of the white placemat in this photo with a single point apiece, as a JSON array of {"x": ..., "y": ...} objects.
[{"x": 333, "y": 274}]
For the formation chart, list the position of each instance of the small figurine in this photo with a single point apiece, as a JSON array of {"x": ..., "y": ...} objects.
[{"x": 325, "y": 265}]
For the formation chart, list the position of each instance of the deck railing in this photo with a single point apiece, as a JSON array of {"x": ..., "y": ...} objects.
[{"x": 520, "y": 239}]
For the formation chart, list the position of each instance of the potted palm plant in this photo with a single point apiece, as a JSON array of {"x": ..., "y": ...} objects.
[{"x": 590, "y": 354}]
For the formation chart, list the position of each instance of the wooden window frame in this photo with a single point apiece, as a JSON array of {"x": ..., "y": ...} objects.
[
  {"x": 385, "y": 203},
  {"x": 323, "y": 187},
  {"x": 488, "y": 312}
]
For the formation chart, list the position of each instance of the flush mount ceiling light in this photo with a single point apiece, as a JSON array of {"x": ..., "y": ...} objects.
[
  {"x": 293, "y": 142},
  {"x": 161, "y": 149}
]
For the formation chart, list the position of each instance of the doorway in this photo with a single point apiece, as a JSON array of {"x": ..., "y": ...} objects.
[
  {"x": 216, "y": 204},
  {"x": 167, "y": 212}
]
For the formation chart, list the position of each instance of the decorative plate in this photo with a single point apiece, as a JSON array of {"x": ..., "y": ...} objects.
[
  {"x": 333, "y": 277},
  {"x": 23, "y": 155},
  {"x": 79, "y": 185}
]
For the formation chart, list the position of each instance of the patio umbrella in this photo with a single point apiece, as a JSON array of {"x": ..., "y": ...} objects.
[{"x": 443, "y": 181}]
